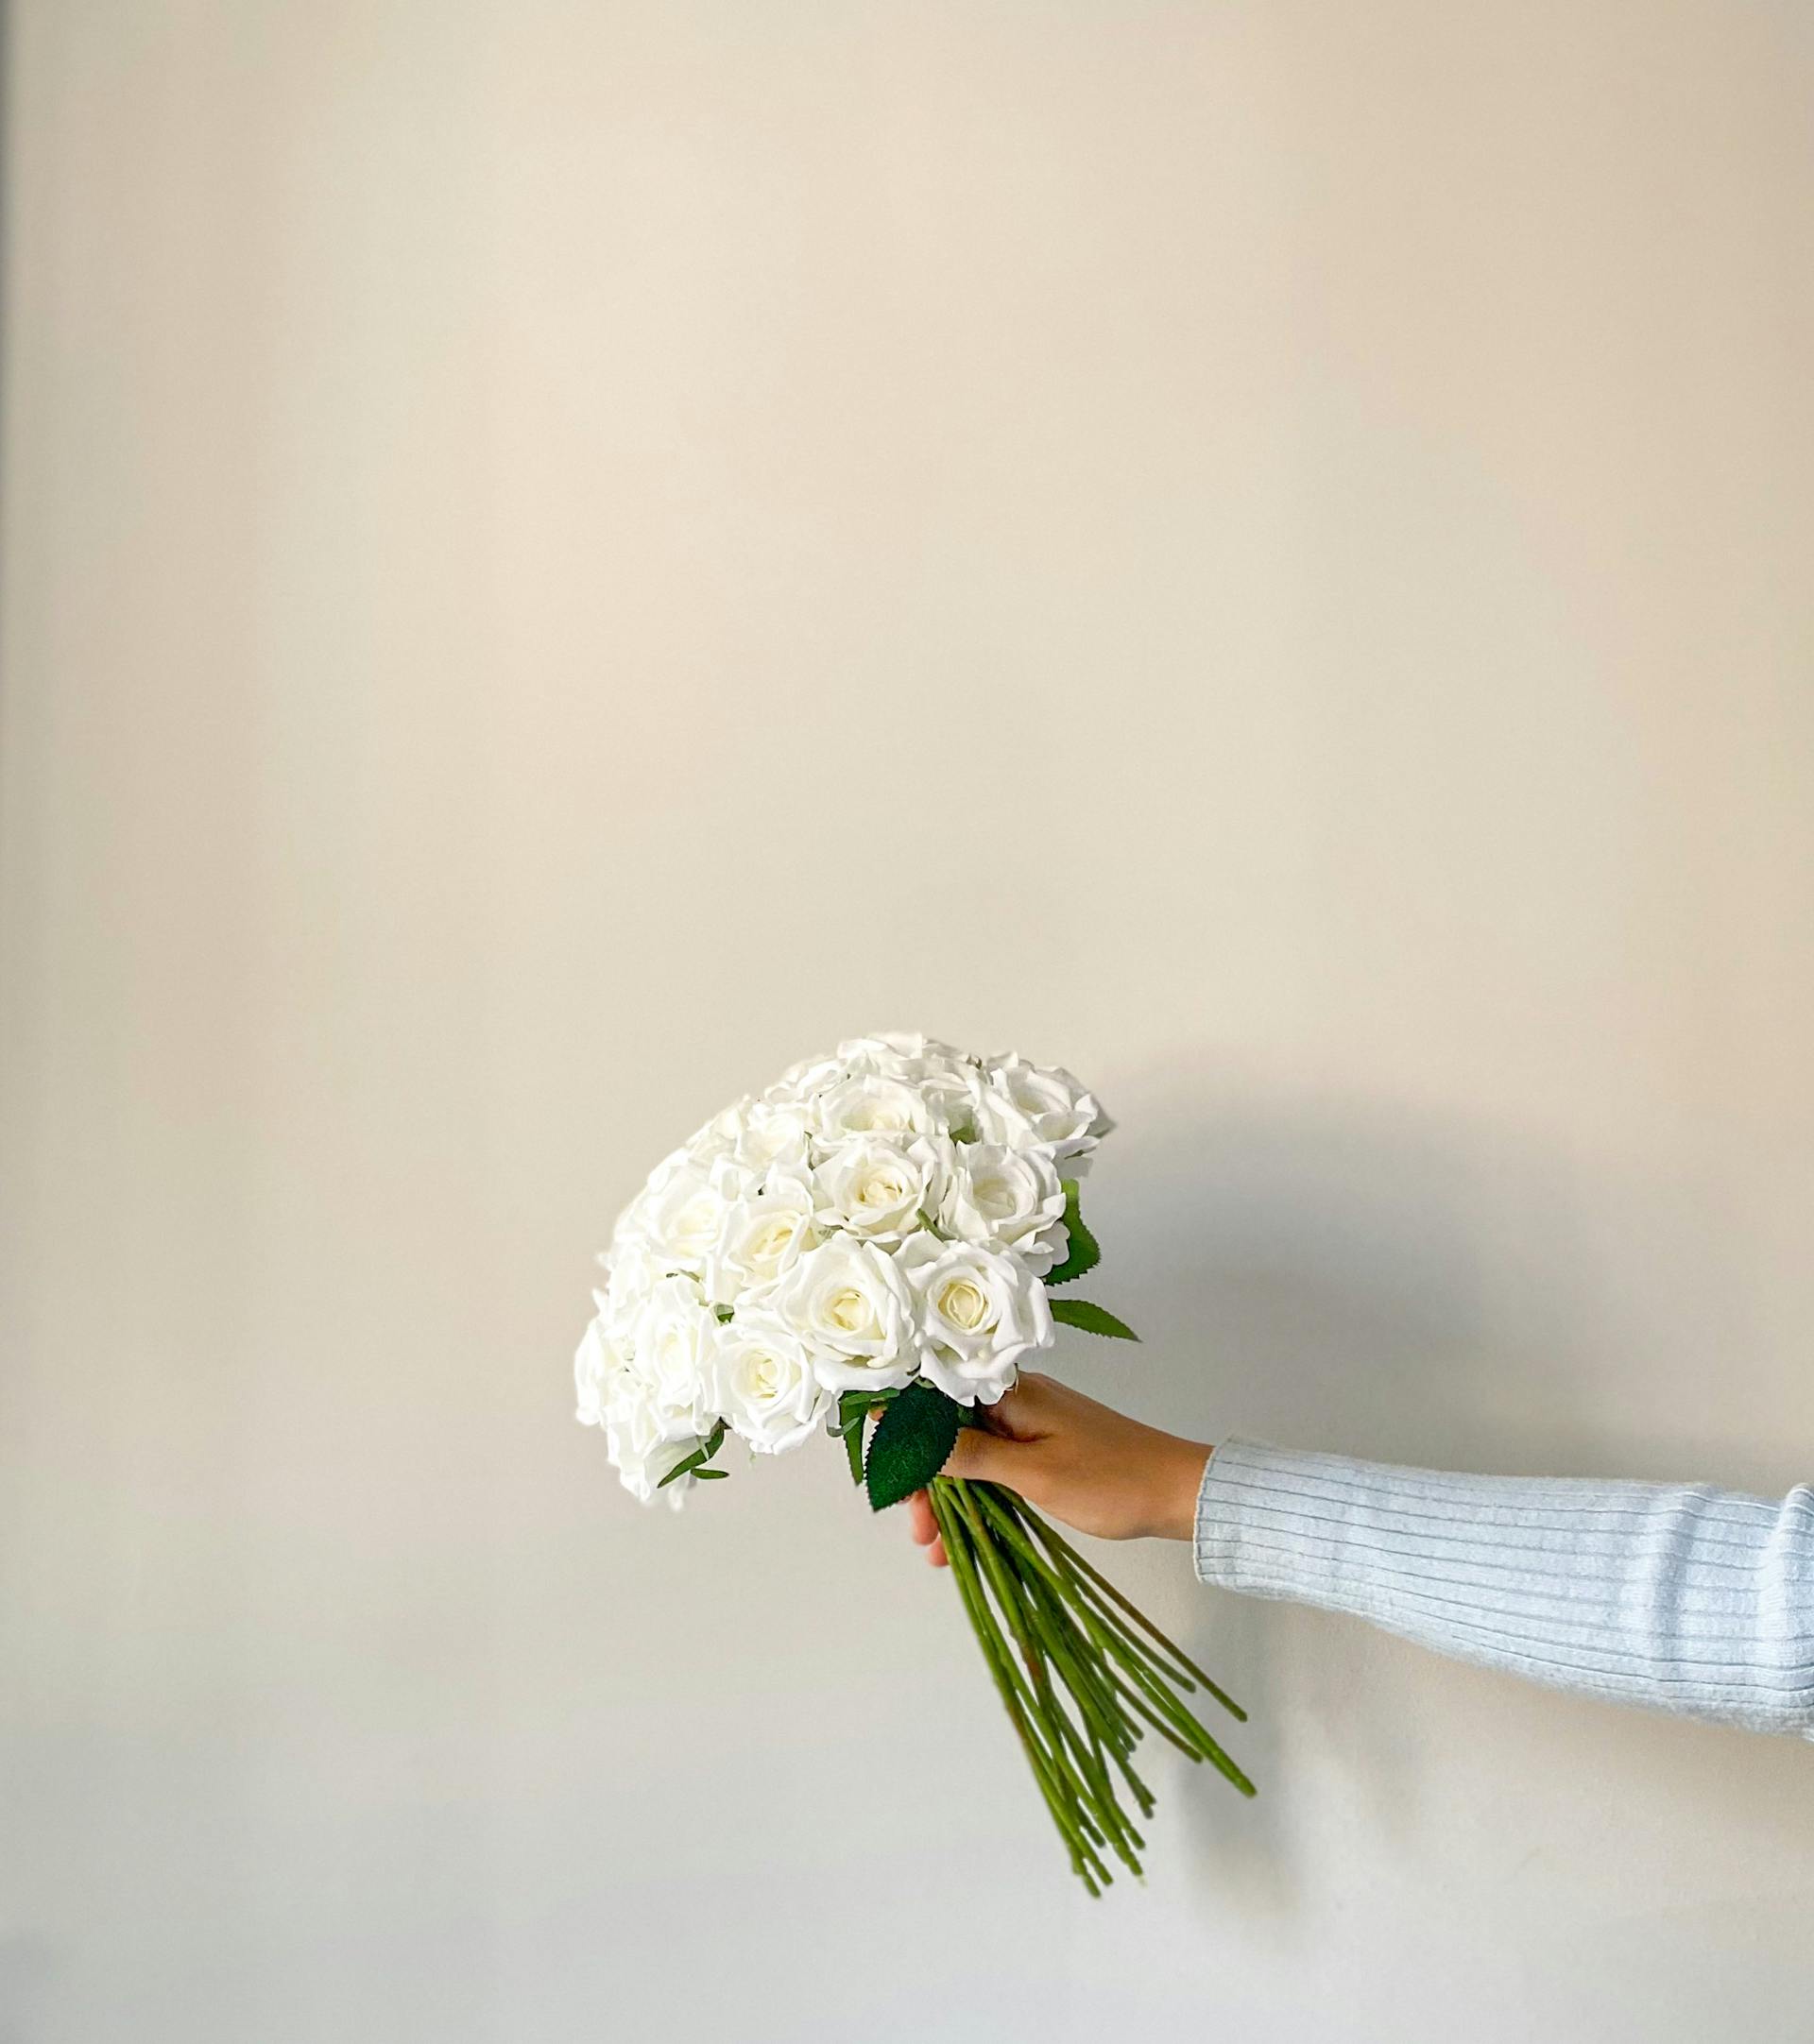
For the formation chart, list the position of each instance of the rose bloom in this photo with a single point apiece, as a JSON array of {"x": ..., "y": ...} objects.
[
  {"x": 773, "y": 1131},
  {"x": 671, "y": 1347},
  {"x": 678, "y": 1212},
  {"x": 1023, "y": 1103},
  {"x": 764, "y": 1384},
  {"x": 875, "y": 1188},
  {"x": 614, "y": 1395},
  {"x": 1007, "y": 1199},
  {"x": 978, "y": 1312},
  {"x": 945, "y": 1078},
  {"x": 639, "y": 1444},
  {"x": 868, "y": 1104},
  {"x": 847, "y": 1303},
  {"x": 761, "y": 1234}
]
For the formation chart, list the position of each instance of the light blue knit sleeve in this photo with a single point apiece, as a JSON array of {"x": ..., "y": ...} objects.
[{"x": 1682, "y": 1598}]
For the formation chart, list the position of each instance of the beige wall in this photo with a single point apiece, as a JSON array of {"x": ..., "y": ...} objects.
[{"x": 560, "y": 554}]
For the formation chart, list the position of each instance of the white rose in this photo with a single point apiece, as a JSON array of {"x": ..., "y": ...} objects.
[
  {"x": 633, "y": 1274},
  {"x": 944, "y": 1076},
  {"x": 763, "y": 1235},
  {"x": 866, "y": 1104},
  {"x": 1007, "y": 1199},
  {"x": 875, "y": 1188},
  {"x": 806, "y": 1081},
  {"x": 763, "y": 1382},
  {"x": 902, "y": 1054},
  {"x": 978, "y": 1312},
  {"x": 721, "y": 1135},
  {"x": 596, "y": 1363},
  {"x": 679, "y": 1212},
  {"x": 847, "y": 1303},
  {"x": 1022, "y": 1105},
  {"x": 673, "y": 1343},
  {"x": 637, "y": 1440},
  {"x": 773, "y": 1132}
]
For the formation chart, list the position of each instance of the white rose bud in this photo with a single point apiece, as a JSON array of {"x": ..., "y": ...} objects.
[
  {"x": 978, "y": 1313},
  {"x": 849, "y": 1303}
]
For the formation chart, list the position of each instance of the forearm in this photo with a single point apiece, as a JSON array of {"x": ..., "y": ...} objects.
[{"x": 1685, "y": 1598}]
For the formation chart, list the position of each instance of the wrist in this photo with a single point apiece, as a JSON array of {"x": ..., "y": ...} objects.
[{"x": 1176, "y": 1514}]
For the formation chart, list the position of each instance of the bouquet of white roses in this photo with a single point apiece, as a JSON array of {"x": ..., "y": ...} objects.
[{"x": 879, "y": 1238}]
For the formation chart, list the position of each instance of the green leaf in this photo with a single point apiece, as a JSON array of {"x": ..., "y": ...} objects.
[
  {"x": 846, "y": 1424},
  {"x": 1084, "y": 1253},
  {"x": 1092, "y": 1320},
  {"x": 683, "y": 1468},
  {"x": 853, "y": 1408},
  {"x": 695, "y": 1462},
  {"x": 853, "y": 1448},
  {"x": 912, "y": 1444},
  {"x": 711, "y": 1475}
]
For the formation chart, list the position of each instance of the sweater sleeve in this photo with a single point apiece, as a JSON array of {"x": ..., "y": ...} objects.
[{"x": 1687, "y": 1598}]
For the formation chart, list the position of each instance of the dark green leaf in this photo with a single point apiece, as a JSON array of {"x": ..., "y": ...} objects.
[
  {"x": 911, "y": 1443},
  {"x": 683, "y": 1468},
  {"x": 1092, "y": 1320},
  {"x": 853, "y": 1408},
  {"x": 853, "y": 1448},
  {"x": 1084, "y": 1253},
  {"x": 711, "y": 1476},
  {"x": 698, "y": 1458}
]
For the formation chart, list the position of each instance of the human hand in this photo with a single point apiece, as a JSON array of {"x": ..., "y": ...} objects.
[{"x": 1083, "y": 1462}]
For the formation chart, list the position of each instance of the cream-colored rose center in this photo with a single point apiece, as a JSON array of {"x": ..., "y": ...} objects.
[
  {"x": 847, "y": 1310},
  {"x": 768, "y": 1241},
  {"x": 764, "y": 1378},
  {"x": 964, "y": 1303},
  {"x": 882, "y": 1189},
  {"x": 995, "y": 1197}
]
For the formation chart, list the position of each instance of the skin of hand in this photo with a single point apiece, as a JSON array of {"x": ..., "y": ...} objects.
[{"x": 1083, "y": 1462}]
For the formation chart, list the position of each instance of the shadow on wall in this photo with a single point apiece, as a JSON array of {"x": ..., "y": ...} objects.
[{"x": 1345, "y": 1279}]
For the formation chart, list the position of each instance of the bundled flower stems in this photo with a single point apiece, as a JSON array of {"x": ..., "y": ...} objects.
[{"x": 872, "y": 1246}]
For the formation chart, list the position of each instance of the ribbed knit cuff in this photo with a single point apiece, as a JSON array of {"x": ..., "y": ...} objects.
[{"x": 1236, "y": 1473}]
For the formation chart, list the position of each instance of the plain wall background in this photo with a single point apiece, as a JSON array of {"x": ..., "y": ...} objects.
[{"x": 562, "y": 555}]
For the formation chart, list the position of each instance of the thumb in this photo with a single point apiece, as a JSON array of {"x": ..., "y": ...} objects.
[{"x": 985, "y": 1457}]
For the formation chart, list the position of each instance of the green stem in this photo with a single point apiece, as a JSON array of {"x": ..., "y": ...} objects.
[
  {"x": 1137, "y": 1658},
  {"x": 1045, "y": 1649},
  {"x": 1138, "y": 1616},
  {"x": 1084, "y": 1861},
  {"x": 1080, "y": 1684}
]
